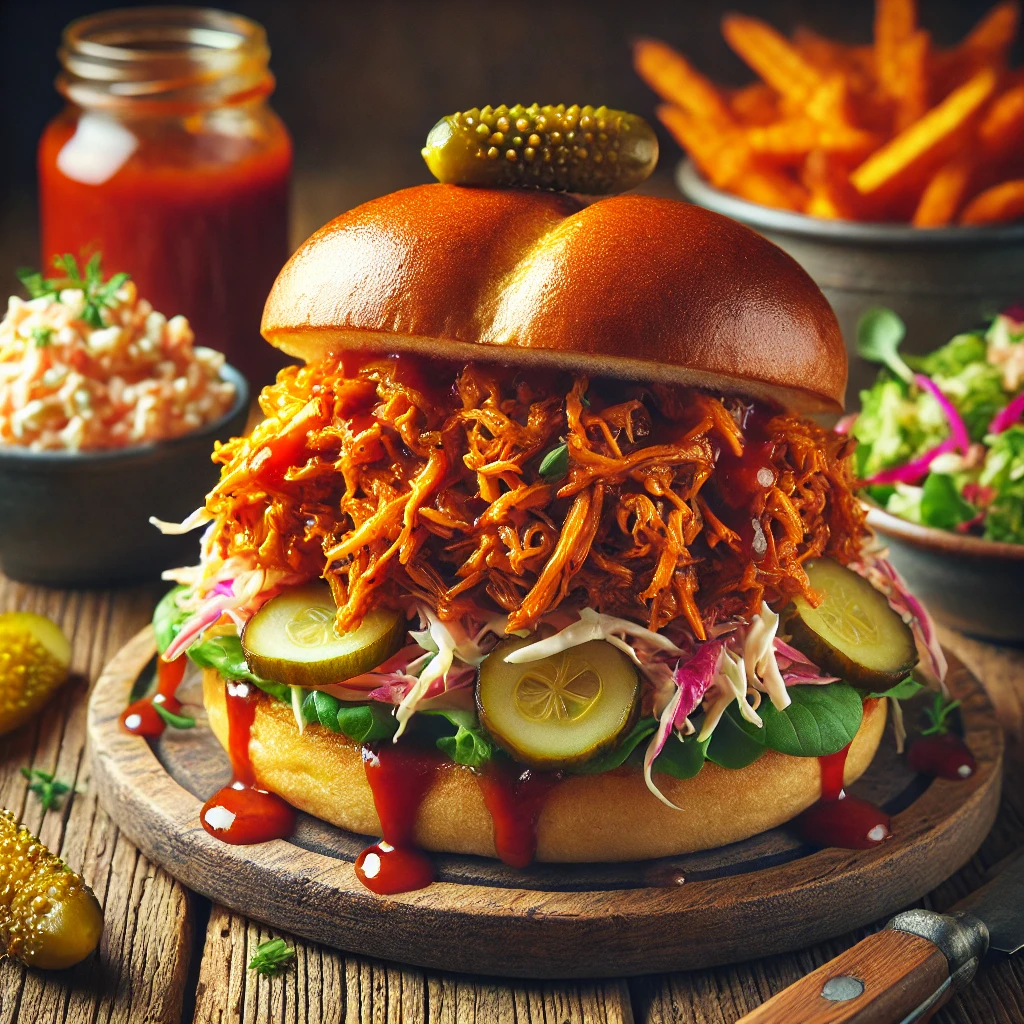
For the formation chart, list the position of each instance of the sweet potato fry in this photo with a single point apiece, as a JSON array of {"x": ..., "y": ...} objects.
[
  {"x": 825, "y": 54},
  {"x": 944, "y": 194},
  {"x": 771, "y": 55},
  {"x": 911, "y": 89},
  {"x": 790, "y": 141},
  {"x": 674, "y": 79},
  {"x": 1003, "y": 202},
  {"x": 756, "y": 103},
  {"x": 770, "y": 187},
  {"x": 721, "y": 156},
  {"x": 830, "y": 194},
  {"x": 986, "y": 45},
  {"x": 1001, "y": 130},
  {"x": 927, "y": 141},
  {"x": 895, "y": 25},
  {"x": 990, "y": 40}
]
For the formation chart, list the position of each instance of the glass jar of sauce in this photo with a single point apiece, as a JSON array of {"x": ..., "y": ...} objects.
[{"x": 168, "y": 159}]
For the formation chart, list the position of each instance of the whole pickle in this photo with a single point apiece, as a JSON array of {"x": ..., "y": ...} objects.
[
  {"x": 49, "y": 917},
  {"x": 568, "y": 149}
]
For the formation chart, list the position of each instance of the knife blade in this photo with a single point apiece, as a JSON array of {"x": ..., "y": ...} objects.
[{"x": 907, "y": 970}]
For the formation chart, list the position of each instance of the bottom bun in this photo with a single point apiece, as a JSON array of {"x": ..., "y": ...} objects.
[{"x": 607, "y": 817}]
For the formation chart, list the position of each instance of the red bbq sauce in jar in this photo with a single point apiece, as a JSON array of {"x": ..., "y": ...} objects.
[{"x": 168, "y": 160}]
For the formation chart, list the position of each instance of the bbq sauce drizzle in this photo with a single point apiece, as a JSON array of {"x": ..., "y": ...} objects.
[
  {"x": 141, "y": 717},
  {"x": 241, "y": 813}
]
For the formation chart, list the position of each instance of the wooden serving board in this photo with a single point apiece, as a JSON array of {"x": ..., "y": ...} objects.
[{"x": 768, "y": 894}]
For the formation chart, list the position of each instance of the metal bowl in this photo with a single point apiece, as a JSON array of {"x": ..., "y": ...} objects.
[
  {"x": 970, "y": 584},
  {"x": 940, "y": 280},
  {"x": 70, "y": 519}
]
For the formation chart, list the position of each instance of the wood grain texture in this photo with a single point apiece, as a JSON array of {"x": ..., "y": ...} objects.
[
  {"x": 898, "y": 972},
  {"x": 533, "y": 933},
  {"x": 327, "y": 986},
  {"x": 140, "y": 969}
]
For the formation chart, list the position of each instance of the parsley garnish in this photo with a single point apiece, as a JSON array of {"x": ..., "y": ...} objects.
[
  {"x": 45, "y": 786},
  {"x": 173, "y": 720},
  {"x": 937, "y": 714},
  {"x": 555, "y": 464},
  {"x": 271, "y": 956},
  {"x": 42, "y": 336},
  {"x": 98, "y": 293}
]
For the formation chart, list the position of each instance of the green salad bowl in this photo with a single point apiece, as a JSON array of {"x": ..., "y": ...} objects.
[
  {"x": 77, "y": 519},
  {"x": 967, "y": 583}
]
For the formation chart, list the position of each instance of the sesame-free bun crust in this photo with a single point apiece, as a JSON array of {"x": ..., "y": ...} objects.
[
  {"x": 606, "y": 817},
  {"x": 630, "y": 286}
]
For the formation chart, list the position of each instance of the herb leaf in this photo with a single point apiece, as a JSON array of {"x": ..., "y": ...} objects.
[
  {"x": 361, "y": 723},
  {"x": 98, "y": 294},
  {"x": 49, "y": 790},
  {"x": 821, "y": 720},
  {"x": 735, "y": 743},
  {"x": 271, "y": 956},
  {"x": 682, "y": 759},
  {"x": 937, "y": 714},
  {"x": 173, "y": 720},
  {"x": 879, "y": 333},
  {"x": 555, "y": 464},
  {"x": 903, "y": 690}
]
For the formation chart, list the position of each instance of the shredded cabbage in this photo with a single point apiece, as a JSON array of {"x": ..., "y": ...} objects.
[{"x": 592, "y": 625}]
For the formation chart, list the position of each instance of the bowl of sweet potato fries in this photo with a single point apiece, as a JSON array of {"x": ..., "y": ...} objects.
[{"x": 893, "y": 170}]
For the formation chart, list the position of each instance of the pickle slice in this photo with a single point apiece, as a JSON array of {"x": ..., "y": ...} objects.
[
  {"x": 853, "y": 633},
  {"x": 292, "y": 639},
  {"x": 570, "y": 149},
  {"x": 562, "y": 710}
]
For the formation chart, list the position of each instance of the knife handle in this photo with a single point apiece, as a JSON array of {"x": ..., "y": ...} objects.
[{"x": 898, "y": 975}]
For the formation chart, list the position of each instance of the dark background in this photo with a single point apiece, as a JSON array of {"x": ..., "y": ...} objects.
[{"x": 361, "y": 83}]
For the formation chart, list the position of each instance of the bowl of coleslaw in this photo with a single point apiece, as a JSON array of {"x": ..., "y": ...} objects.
[
  {"x": 940, "y": 451},
  {"x": 108, "y": 411}
]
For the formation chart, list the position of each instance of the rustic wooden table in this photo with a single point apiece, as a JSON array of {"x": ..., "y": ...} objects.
[{"x": 169, "y": 956}]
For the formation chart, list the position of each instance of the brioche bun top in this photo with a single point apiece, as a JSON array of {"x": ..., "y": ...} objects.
[{"x": 630, "y": 286}]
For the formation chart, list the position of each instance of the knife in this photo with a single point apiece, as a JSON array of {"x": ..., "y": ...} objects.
[{"x": 912, "y": 966}]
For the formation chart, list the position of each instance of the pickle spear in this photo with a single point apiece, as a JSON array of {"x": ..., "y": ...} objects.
[
  {"x": 49, "y": 917},
  {"x": 853, "y": 633},
  {"x": 292, "y": 639},
  {"x": 568, "y": 149},
  {"x": 562, "y": 710}
]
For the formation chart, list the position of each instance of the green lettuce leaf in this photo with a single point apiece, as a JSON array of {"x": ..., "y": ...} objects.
[
  {"x": 941, "y": 503},
  {"x": 1003, "y": 471},
  {"x": 469, "y": 745},
  {"x": 735, "y": 743},
  {"x": 682, "y": 759},
  {"x": 168, "y": 618},
  {"x": 621, "y": 752},
  {"x": 362, "y": 723},
  {"x": 820, "y": 720}
]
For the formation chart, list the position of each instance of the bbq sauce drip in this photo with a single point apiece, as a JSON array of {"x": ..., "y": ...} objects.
[
  {"x": 743, "y": 481},
  {"x": 514, "y": 800},
  {"x": 399, "y": 779},
  {"x": 241, "y": 813},
  {"x": 141, "y": 717},
  {"x": 945, "y": 756},
  {"x": 840, "y": 820}
]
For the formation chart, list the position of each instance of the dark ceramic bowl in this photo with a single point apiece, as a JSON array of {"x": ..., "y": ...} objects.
[
  {"x": 941, "y": 281},
  {"x": 970, "y": 584},
  {"x": 71, "y": 519}
]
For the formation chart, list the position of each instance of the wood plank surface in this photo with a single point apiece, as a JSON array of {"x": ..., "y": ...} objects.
[
  {"x": 167, "y": 956},
  {"x": 140, "y": 971}
]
